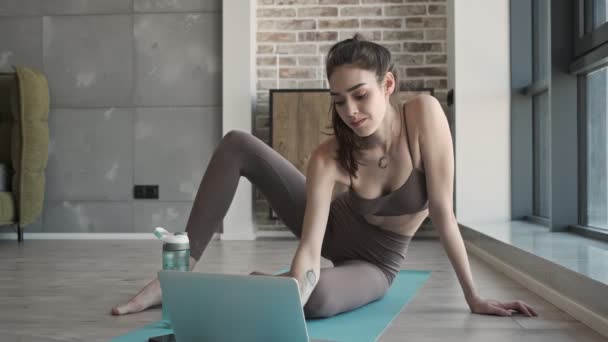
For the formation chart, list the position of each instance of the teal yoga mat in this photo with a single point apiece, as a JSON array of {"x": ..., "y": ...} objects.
[{"x": 364, "y": 324}]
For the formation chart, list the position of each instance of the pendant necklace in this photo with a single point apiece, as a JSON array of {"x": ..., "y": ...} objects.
[{"x": 383, "y": 162}]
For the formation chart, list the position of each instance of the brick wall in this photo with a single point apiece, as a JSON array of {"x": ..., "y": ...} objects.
[{"x": 293, "y": 37}]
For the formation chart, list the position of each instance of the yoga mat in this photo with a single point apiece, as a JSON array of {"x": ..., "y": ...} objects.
[{"x": 364, "y": 324}]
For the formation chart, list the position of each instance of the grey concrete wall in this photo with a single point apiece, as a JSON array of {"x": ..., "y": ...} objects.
[{"x": 135, "y": 99}]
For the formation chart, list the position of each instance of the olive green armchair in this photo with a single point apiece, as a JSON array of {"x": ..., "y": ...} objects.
[{"x": 24, "y": 139}]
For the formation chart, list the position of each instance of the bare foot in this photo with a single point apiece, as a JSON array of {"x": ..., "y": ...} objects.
[{"x": 149, "y": 296}]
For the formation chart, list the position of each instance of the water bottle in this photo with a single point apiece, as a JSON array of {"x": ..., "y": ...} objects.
[{"x": 176, "y": 254}]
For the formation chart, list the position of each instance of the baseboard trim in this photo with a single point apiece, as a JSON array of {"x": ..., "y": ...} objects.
[
  {"x": 274, "y": 234},
  {"x": 240, "y": 236},
  {"x": 149, "y": 236},
  {"x": 139, "y": 236},
  {"x": 84, "y": 236},
  {"x": 573, "y": 308}
]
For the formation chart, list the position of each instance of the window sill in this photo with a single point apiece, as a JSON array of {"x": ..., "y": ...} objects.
[
  {"x": 567, "y": 269},
  {"x": 591, "y": 232},
  {"x": 586, "y": 256}
]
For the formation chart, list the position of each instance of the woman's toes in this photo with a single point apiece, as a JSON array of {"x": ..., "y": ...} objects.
[
  {"x": 128, "y": 308},
  {"x": 119, "y": 310}
]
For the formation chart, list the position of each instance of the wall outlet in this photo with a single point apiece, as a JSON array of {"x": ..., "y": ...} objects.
[
  {"x": 152, "y": 192},
  {"x": 139, "y": 192},
  {"x": 145, "y": 192}
]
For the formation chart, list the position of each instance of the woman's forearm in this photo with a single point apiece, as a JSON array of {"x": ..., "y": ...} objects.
[
  {"x": 453, "y": 244},
  {"x": 305, "y": 268}
]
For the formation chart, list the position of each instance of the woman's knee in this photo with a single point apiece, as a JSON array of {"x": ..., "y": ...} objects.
[
  {"x": 232, "y": 143},
  {"x": 234, "y": 138}
]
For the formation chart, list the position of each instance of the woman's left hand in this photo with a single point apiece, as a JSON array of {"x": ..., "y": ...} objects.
[{"x": 494, "y": 307}]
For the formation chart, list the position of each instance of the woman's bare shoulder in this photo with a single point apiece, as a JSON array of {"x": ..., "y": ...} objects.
[
  {"x": 325, "y": 155},
  {"x": 422, "y": 110},
  {"x": 326, "y": 151},
  {"x": 421, "y": 106}
]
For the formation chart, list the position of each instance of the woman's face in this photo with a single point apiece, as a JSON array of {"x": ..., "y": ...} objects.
[{"x": 358, "y": 98}]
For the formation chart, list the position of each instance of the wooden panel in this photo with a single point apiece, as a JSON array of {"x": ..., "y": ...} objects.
[{"x": 298, "y": 118}]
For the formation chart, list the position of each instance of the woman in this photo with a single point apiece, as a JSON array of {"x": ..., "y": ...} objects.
[{"x": 398, "y": 164}]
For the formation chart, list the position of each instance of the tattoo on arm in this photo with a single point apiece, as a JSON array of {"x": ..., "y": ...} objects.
[
  {"x": 311, "y": 277},
  {"x": 307, "y": 285}
]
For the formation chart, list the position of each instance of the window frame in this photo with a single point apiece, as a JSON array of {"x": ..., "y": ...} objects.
[
  {"x": 583, "y": 227},
  {"x": 567, "y": 99},
  {"x": 591, "y": 54},
  {"x": 590, "y": 45},
  {"x": 537, "y": 83},
  {"x": 587, "y": 38},
  {"x": 541, "y": 80}
]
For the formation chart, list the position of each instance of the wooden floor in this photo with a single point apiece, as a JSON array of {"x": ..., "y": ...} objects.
[{"x": 63, "y": 291}]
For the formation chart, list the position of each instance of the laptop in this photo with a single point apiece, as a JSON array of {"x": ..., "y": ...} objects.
[{"x": 223, "y": 307}]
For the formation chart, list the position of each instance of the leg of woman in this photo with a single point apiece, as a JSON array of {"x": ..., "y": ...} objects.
[
  {"x": 345, "y": 287},
  {"x": 242, "y": 154},
  {"x": 238, "y": 154}
]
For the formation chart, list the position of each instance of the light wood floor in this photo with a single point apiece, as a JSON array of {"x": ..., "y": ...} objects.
[{"x": 63, "y": 291}]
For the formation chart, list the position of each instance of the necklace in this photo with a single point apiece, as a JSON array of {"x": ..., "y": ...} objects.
[{"x": 383, "y": 162}]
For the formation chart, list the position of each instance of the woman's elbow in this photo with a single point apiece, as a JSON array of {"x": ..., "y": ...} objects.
[{"x": 441, "y": 212}]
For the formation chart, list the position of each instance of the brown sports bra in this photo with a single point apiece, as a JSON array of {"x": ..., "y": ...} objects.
[{"x": 411, "y": 197}]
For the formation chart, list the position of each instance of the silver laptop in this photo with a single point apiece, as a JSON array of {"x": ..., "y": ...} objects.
[{"x": 222, "y": 307}]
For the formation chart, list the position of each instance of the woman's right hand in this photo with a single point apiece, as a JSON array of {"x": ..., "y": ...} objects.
[{"x": 306, "y": 281}]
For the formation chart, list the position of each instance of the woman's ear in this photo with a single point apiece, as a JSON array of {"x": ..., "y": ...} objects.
[{"x": 389, "y": 83}]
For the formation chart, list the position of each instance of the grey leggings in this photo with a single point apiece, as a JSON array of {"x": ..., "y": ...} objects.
[{"x": 366, "y": 258}]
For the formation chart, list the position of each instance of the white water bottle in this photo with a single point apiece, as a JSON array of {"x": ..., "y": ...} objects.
[{"x": 176, "y": 254}]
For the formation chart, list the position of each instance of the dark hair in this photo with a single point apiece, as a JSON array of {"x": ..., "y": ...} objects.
[{"x": 368, "y": 56}]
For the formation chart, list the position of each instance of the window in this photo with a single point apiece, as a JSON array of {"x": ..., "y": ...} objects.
[
  {"x": 591, "y": 66},
  {"x": 599, "y": 14},
  {"x": 559, "y": 108},
  {"x": 596, "y": 154}
]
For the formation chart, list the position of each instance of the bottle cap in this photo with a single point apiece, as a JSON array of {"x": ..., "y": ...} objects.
[{"x": 172, "y": 242}]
